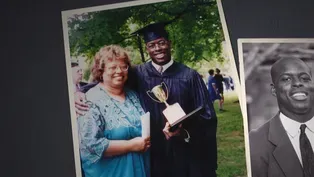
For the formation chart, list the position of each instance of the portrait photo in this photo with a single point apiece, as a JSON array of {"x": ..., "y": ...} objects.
[
  {"x": 277, "y": 90},
  {"x": 153, "y": 91}
]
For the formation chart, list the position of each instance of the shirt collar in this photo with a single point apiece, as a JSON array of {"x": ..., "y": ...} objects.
[
  {"x": 292, "y": 127},
  {"x": 164, "y": 67}
]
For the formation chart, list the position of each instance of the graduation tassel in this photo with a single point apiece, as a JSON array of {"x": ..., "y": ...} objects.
[{"x": 140, "y": 47}]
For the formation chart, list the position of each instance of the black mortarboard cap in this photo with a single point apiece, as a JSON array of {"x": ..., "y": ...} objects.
[{"x": 153, "y": 31}]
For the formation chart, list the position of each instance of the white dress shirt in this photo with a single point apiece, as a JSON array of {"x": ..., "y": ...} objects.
[
  {"x": 293, "y": 131},
  {"x": 164, "y": 67}
]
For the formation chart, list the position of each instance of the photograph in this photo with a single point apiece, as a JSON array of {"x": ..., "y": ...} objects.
[
  {"x": 277, "y": 90},
  {"x": 153, "y": 91}
]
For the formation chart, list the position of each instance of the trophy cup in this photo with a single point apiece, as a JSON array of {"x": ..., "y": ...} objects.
[{"x": 173, "y": 113}]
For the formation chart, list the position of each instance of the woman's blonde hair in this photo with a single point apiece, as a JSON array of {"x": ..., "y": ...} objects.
[{"x": 107, "y": 54}]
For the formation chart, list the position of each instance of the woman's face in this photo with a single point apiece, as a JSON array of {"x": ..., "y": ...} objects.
[{"x": 115, "y": 73}]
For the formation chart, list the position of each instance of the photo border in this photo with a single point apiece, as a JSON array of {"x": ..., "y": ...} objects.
[
  {"x": 67, "y": 13},
  {"x": 240, "y": 42}
]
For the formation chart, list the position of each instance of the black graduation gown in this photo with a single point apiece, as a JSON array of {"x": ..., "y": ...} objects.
[{"x": 175, "y": 157}]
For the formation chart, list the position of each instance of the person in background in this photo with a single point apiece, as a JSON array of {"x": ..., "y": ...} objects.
[
  {"x": 212, "y": 88},
  {"x": 219, "y": 85},
  {"x": 231, "y": 83},
  {"x": 226, "y": 82},
  {"x": 77, "y": 75}
]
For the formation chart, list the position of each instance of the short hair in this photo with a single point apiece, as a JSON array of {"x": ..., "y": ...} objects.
[
  {"x": 105, "y": 54},
  {"x": 211, "y": 72},
  {"x": 217, "y": 70},
  {"x": 279, "y": 62}
]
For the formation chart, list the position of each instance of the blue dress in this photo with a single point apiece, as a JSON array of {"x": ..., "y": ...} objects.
[
  {"x": 109, "y": 119},
  {"x": 212, "y": 92}
]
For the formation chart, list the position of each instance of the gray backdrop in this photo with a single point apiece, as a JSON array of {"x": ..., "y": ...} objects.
[{"x": 36, "y": 138}]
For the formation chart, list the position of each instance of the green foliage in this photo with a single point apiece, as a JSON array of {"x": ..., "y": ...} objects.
[
  {"x": 195, "y": 32},
  {"x": 230, "y": 139},
  {"x": 87, "y": 74}
]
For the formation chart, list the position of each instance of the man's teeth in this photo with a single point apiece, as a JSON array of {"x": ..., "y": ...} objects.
[
  {"x": 160, "y": 55},
  {"x": 299, "y": 94}
]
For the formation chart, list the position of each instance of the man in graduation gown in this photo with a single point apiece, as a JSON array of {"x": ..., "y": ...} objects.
[
  {"x": 177, "y": 155},
  {"x": 191, "y": 149}
]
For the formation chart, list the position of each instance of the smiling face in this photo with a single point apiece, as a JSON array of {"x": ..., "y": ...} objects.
[
  {"x": 293, "y": 86},
  {"x": 159, "y": 50},
  {"x": 115, "y": 73}
]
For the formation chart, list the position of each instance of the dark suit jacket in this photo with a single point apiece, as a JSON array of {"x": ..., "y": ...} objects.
[{"x": 272, "y": 154}]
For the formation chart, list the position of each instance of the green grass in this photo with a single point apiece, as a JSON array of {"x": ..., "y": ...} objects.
[{"x": 230, "y": 139}]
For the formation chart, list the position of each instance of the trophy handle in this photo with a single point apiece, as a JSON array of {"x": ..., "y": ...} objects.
[
  {"x": 166, "y": 89},
  {"x": 152, "y": 97}
]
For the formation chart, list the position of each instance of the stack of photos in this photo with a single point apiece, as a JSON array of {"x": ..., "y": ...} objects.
[{"x": 154, "y": 91}]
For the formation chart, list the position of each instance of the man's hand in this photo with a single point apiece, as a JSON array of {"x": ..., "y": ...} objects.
[
  {"x": 170, "y": 134},
  {"x": 80, "y": 107}
]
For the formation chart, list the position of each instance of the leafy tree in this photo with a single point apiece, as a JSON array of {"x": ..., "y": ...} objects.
[{"x": 195, "y": 29}]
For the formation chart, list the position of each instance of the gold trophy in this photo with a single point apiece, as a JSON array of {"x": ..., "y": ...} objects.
[{"x": 173, "y": 113}]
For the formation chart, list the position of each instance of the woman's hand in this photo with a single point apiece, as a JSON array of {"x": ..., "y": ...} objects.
[{"x": 139, "y": 144}]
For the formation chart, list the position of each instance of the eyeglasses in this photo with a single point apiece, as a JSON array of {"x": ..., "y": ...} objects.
[
  {"x": 160, "y": 43},
  {"x": 123, "y": 68}
]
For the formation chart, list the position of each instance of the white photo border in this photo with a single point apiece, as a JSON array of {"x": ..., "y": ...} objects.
[
  {"x": 240, "y": 43},
  {"x": 67, "y": 13}
]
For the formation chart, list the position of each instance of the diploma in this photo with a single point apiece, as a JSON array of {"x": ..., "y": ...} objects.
[{"x": 145, "y": 120}]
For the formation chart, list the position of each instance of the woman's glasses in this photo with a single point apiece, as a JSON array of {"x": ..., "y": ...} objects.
[{"x": 123, "y": 68}]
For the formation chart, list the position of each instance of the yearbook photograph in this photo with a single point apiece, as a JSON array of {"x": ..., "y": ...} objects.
[
  {"x": 152, "y": 91},
  {"x": 278, "y": 95}
]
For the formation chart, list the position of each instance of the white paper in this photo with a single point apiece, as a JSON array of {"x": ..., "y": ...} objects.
[
  {"x": 145, "y": 119},
  {"x": 173, "y": 113}
]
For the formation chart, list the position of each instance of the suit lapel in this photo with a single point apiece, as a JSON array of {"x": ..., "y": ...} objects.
[{"x": 284, "y": 152}]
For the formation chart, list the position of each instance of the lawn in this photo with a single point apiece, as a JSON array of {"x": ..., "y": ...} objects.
[{"x": 230, "y": 137}]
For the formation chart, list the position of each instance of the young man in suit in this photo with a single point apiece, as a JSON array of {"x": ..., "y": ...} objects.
[{"x": 283, "y": 146}]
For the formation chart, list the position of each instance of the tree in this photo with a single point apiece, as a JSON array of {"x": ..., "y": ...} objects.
[{"x": 195, "y": 29}]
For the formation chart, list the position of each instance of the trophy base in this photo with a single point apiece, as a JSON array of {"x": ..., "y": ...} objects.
[
  {"x": 174, "y": 125},
  {"x": 173, "y": 113}
]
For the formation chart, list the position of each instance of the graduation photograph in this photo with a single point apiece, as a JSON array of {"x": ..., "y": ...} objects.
[
  {"x": 153, "y": 91},
  {"x": 278, "y": 92}
]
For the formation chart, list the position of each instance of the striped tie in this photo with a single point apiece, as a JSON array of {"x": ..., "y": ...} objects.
[
  {"x": 160, "y": 69},
  {"x": 306, "y": 153}
]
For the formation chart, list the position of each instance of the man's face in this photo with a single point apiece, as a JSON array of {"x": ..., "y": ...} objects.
[
  {"x": 77, "y": 74},
  {"x": 294, "y": 87},
  {"x": 159, "y": 50}
]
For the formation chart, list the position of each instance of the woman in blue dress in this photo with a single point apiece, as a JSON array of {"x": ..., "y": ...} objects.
[{"x": 110, "y": 132}]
